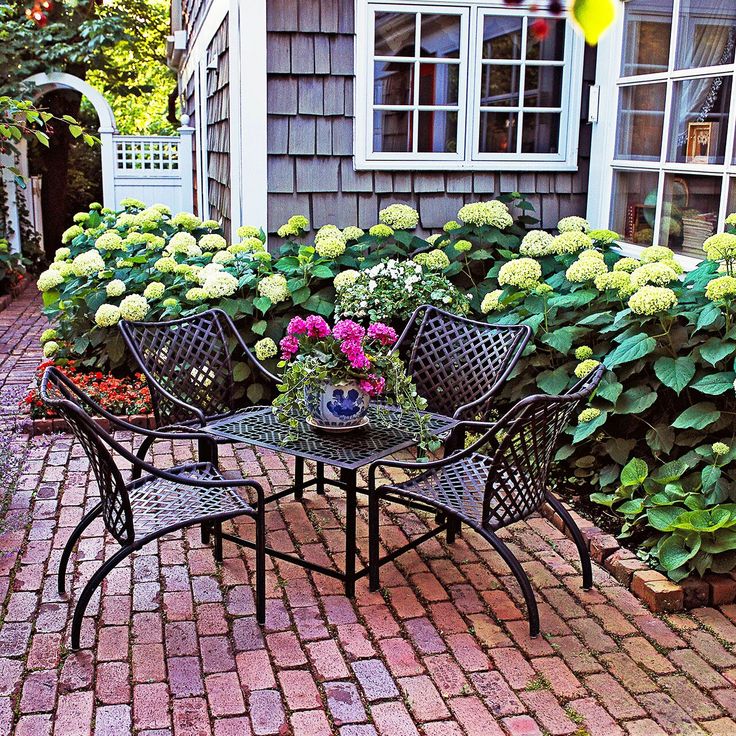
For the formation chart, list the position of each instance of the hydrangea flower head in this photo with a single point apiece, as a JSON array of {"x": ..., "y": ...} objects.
[
  {"x": 399, "y": 217},
  {"x": 170, "y": 302},
  {"x": 330, "y": 247},
  {"x": 186, "y": 220},
  {"x": 345, "y": 279},
  {"x": 116, "y": 287},
  {"x": 165, "y": 264},
  {"x": 154, "y": 290},
  {"x": 297, "y": 326},
  {"x": 380, "y": 231},
  {"x": 493, "y": 213},
  {"x": 618, "y": 280},
  {"x": 731, "y": 219},
  {"x": 537, "y": 243},
  {"x": 655, "y": 253},
  {"x": 585, "y": 269},
  {"x": 47, "y": 335},
  {"x": 583, "y": 352},
  {"x": 219, "y": 284},
  {"x": 462, "y": 246},
  {"x": 49, "y": 280},
  {"x": 212, "y": 241},
  {"x": 629, "y": 265},
  {"x": 274, "y": 288},
  {"x": 107, "y": 315},
  {"x": 129, "y": 203},
  {"x": 571, "y": 241},
  {"x": 659, "y": 274},
  {"x": 573, "y": 225},
  {"x": 604, "y": 236},
  {"x": 524, "y": 273},
  {"x": 434, "y": 260},
  {"x": 265, "y": 348},
  {"x": 591, "y": 253},
  {"x": 109, "y": 241},
  {"x": 451, "y": 225},
  {"x": 588, "y": 415},
  {"x": 296, "y": 225},
  {"x": 82, "y": 218},
  {"x": 195, "y": 294},
  {"x": 50, "y": 349},
  {"x": 223, "y": 257},
  {"x": 721, "y": 247},
  {"x": 62, "y": 254},
  {"x": 65, "y": 268},
  {"x": 721, "y": 289},
  {"x": 88, "y": 263},
  {"x": 70, "y": 233},
  {"x": 586, "y": 367},
  {"x": 248, "y": 231},
  {"x": 650, "y": 300},
  {"x": 720, "y": 448},
  {"x": 134, "y": 308},
  {"x": 352, "y": 233}
]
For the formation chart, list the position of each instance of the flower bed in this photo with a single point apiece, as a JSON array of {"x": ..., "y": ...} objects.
[{"x": 654, "y": 450}]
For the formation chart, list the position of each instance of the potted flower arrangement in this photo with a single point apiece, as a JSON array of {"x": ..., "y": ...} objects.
[{"x": 330, "y": 375}]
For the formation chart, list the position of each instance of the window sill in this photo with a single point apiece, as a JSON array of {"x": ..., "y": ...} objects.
[{"x": 516, "y": 165}]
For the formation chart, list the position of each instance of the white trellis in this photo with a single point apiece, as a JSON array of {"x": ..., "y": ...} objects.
[{"x": 154, "y": 169}]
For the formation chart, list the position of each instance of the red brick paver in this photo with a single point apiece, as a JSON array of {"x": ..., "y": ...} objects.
[{"x": 173, "y": 649}]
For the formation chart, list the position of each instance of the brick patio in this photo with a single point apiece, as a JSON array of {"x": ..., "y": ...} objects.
[{"x": 443, "y": 651}]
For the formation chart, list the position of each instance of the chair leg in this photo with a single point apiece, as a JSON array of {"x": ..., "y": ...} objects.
[
  {"x": 207, "y": 453},
  {"x": 526, "y": 587},
  {"x": 373, "y": 542},
  {"x": 453, "y": 529},
  {"x": 577, "y": 536},
  {"x": 90, "y": 588},
  {"x": 298, "y": 478},
  {"x": 87, "y": 519},
  {"x": 141, "y": 455},
  {"x": 261, "y": 566},
  {"x": 217, "y": 533}
]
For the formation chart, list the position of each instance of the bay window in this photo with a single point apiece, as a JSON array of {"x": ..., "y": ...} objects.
[
  {"x": 465, "y": 86},
  {"x": 667, "y": 173}
]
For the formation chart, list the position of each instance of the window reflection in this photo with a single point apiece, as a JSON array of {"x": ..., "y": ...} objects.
[{"x": 648, "y": 25}]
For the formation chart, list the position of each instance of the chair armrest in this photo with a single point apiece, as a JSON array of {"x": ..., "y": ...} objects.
[{"x": 434, "y": 464}]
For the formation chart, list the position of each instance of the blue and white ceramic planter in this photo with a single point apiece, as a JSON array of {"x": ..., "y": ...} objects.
[{"x": 337, "y": 405}]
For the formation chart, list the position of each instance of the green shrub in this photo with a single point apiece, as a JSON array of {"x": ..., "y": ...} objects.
[{"x": 12, "y": 267}]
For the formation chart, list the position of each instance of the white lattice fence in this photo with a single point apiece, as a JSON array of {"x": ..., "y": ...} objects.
[{"x": 154, "y": 169}]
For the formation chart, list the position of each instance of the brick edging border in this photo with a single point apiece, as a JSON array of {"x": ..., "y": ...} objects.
[
  {"x": 14, "y": 293},
  {"x": 656, "y": 590},
  {"x": 34, "y": 427}
]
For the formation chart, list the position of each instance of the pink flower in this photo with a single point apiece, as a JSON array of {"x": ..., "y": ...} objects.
[
  {"x": 297, "y": 326},
  {"x": 353, "y": 350},
  {"x": 316, "y": 326},
  {"x": 289, "y": 347},
  {"x": 373, "y": 385},
  {"x": 383, "y": 333},
  {"x": 346, "y": 329}
]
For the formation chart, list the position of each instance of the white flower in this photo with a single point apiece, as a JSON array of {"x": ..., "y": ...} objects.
[
  {"x": 109, "y": 241},
  {"x": 49, "y": 280},
  {"x": 573, "y": 224},
  {"x": 537, "y": 243},
  {"x": 523, "y": 273},
  {"x": 212, "y": 242},
  {"x": 274, "y": 288},
  {"x": 115, "y": 288},
  {"x": 134, "y": 308},
  {"x": 345, "y": 279},
  {"x": 221, "y": 284},
  {"x": 88, "y": 263},
  {"x": 491, "y": 302},
  {"x": 154, "y": 290},
  {"x": 399, "y": 217},
  {"x": 493, "y": 213},
  {"x": 107, "y": 315}
]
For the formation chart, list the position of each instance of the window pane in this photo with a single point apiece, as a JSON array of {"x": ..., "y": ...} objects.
[
  {"x": 393, "y": 82},
  {"x": 499, "y": 85},
  {"x": 549, "y": 48},
  {"x": 706, "y": 33},
  {"x": 498, "y": 132},
  {"x": 441, "y": 36},
  {"x": 392, "y": 131},
  {"x": 501, "y": 37},
  {"x": 689, "y": 212},
  {"x": 543, "y": 86},
  {"x": 395, "y": 34},
  {"x": 438, "y": 84},
  {"x": 700, "y": 120},
  {"x": 437, "y": 132},
  {"x": 640, "y": 122},
  {"x": 633, "y": 205},
  {"x": 731, "y": 208},
  {"x": 648, "y": 24},
  {"x": 540, "y": 133}
]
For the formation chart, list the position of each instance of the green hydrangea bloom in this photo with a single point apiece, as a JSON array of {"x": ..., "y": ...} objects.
[
  {"x": 462, "y": 246},
  {"x": 248, "y": 231},
  {"x": 399, "y": 217},
  {"x": 330, "y": 247},
  {"x": 195, "y": 294},
  {"x": 434, "y": 260},
  {"x": 573, "y": 225},
  {"x": 49, "y": 280},
  {"x": 107, "y": 315},
  {"x": 604, "y": 236},
  {"x": 165, "y": 264},
  {"x": 295, "y": 226},
  {"x": 129, "y": 203},
  {"x": 134, "y": 308},
  {"x": 650, "y": 300},
  {"x": 218, "y": 285},
  {"x": 115, "y": 288},
  {"x": 655, "y": 253},
  {"x": 70, "y": 233},
  {"x": 492, "y": 213},
  {"x": 212, "y": 242},
  {"x": 154, "y": 290},
  {"x": 585, "y": 269},
  {"x": 721, "y": 289},
  {"x": 50, "y": 349},
  {"x": 81, "y": 218},
  {"x": 537, "y": 243},
  {"x": 352, "y": 233},
  {"x": 109, "y": 241},
  {"x": 491, "y": 302},
  {"x": 47, "y": 335},
  {"x": 583, "y": 352},
  {"x": 591, "y": 253},
  {"x": 720, "y": 448},
  {"x": 380, "y": 231},
  {"x": 345, "y": 279},
  {"x": 265, "y": 349},
  {"x": 659, "y": 274},
  {"x": 629, "y": 265},
  {"x": 571, "y": 241},
  {"x": 586, "y": 367},
  {"x": 451, "y": 225},
  {"x": 223, "y": 257},
  {"x": 523, "y": 273},
  {"x": 274, "y": 288},
  {"x": 170, "y": 302},
  {"x": 62, "y": 254},
  {"x": 588, "y": 415},
  {"x": 186, "y": 220},
  {"x": 88, "y": 263},
  {"x": 721, "y": 247}
]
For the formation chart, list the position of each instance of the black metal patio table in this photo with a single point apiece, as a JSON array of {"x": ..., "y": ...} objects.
[{"x": 389, "y": 432}]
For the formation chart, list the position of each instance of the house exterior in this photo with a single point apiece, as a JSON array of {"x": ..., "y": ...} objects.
[{"x": 334, "y": 108}]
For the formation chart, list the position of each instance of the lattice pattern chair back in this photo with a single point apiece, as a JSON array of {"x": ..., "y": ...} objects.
[
  {"x": 454, "y": 361},
  {"x": 66, "y": 399},
  {"x": 527, "y": 437},
  {"x": 190, "y": 359}
]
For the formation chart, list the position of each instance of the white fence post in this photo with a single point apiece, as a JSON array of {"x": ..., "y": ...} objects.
[
  {"x": 107, "y": 155},
  {"x": 186, "y": 164}
]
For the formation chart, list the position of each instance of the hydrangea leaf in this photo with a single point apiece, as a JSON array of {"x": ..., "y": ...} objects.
[
  {"x": 675, "y": 551},
  {"x": 675, "y": 373},
  {"x": 715, "y": 349},
  {"x": 633, "y": 348},
  {"x": 636, "y": 400},
  {"x": 715, "y": 384},
  {"x": 634, "y": 473},
  {"x": 594, "y": 17},
  {"x": 698, "y": 416}
]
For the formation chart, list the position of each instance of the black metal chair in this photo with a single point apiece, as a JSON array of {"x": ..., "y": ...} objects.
[
  {"x": 490, "y": 490},
  {"x": 190, "y": 367},
  {"x": 159, "y": 502}
]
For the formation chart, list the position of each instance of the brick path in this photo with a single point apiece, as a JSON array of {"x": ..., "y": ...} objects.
[{"x": 443, "y": 651}]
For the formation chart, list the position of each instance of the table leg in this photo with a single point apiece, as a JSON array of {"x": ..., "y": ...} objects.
[
  {"x": 298, "y": 478},
  {"x": 349, "y": 477},
  {"x": 321, "y": 479}
]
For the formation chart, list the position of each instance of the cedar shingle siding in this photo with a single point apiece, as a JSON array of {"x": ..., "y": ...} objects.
[
  {"x": 218, "y": 128},
  {"x": 310, "y": 136}
]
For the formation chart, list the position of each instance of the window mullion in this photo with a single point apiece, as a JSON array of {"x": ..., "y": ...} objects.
[
  {"x": 522, "y": 83},
  {"x": 417, "y": 71}
]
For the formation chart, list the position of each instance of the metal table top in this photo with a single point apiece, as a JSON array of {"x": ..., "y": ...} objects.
[{"x": 388, "y": 432}]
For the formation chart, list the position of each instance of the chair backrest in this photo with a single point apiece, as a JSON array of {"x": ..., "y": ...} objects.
[
  {"x": 190, "y": 359},
  {"x": 454, "y": 361},
  {"x": 527, "y": 437},
  {"x": 69, "y": 401}
]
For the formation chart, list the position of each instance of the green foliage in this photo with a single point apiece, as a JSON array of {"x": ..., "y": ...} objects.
[{"x": 12, "y": 267}]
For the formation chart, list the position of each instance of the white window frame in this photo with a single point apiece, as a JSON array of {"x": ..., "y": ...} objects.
[
  {"x": 468, "y": 156},
  {"x": 604, "y": 165}
]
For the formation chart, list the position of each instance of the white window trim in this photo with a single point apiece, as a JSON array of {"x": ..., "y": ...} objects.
[
  {"x": 603, "y": 165},
  {"x": 468, "y": 131}
]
